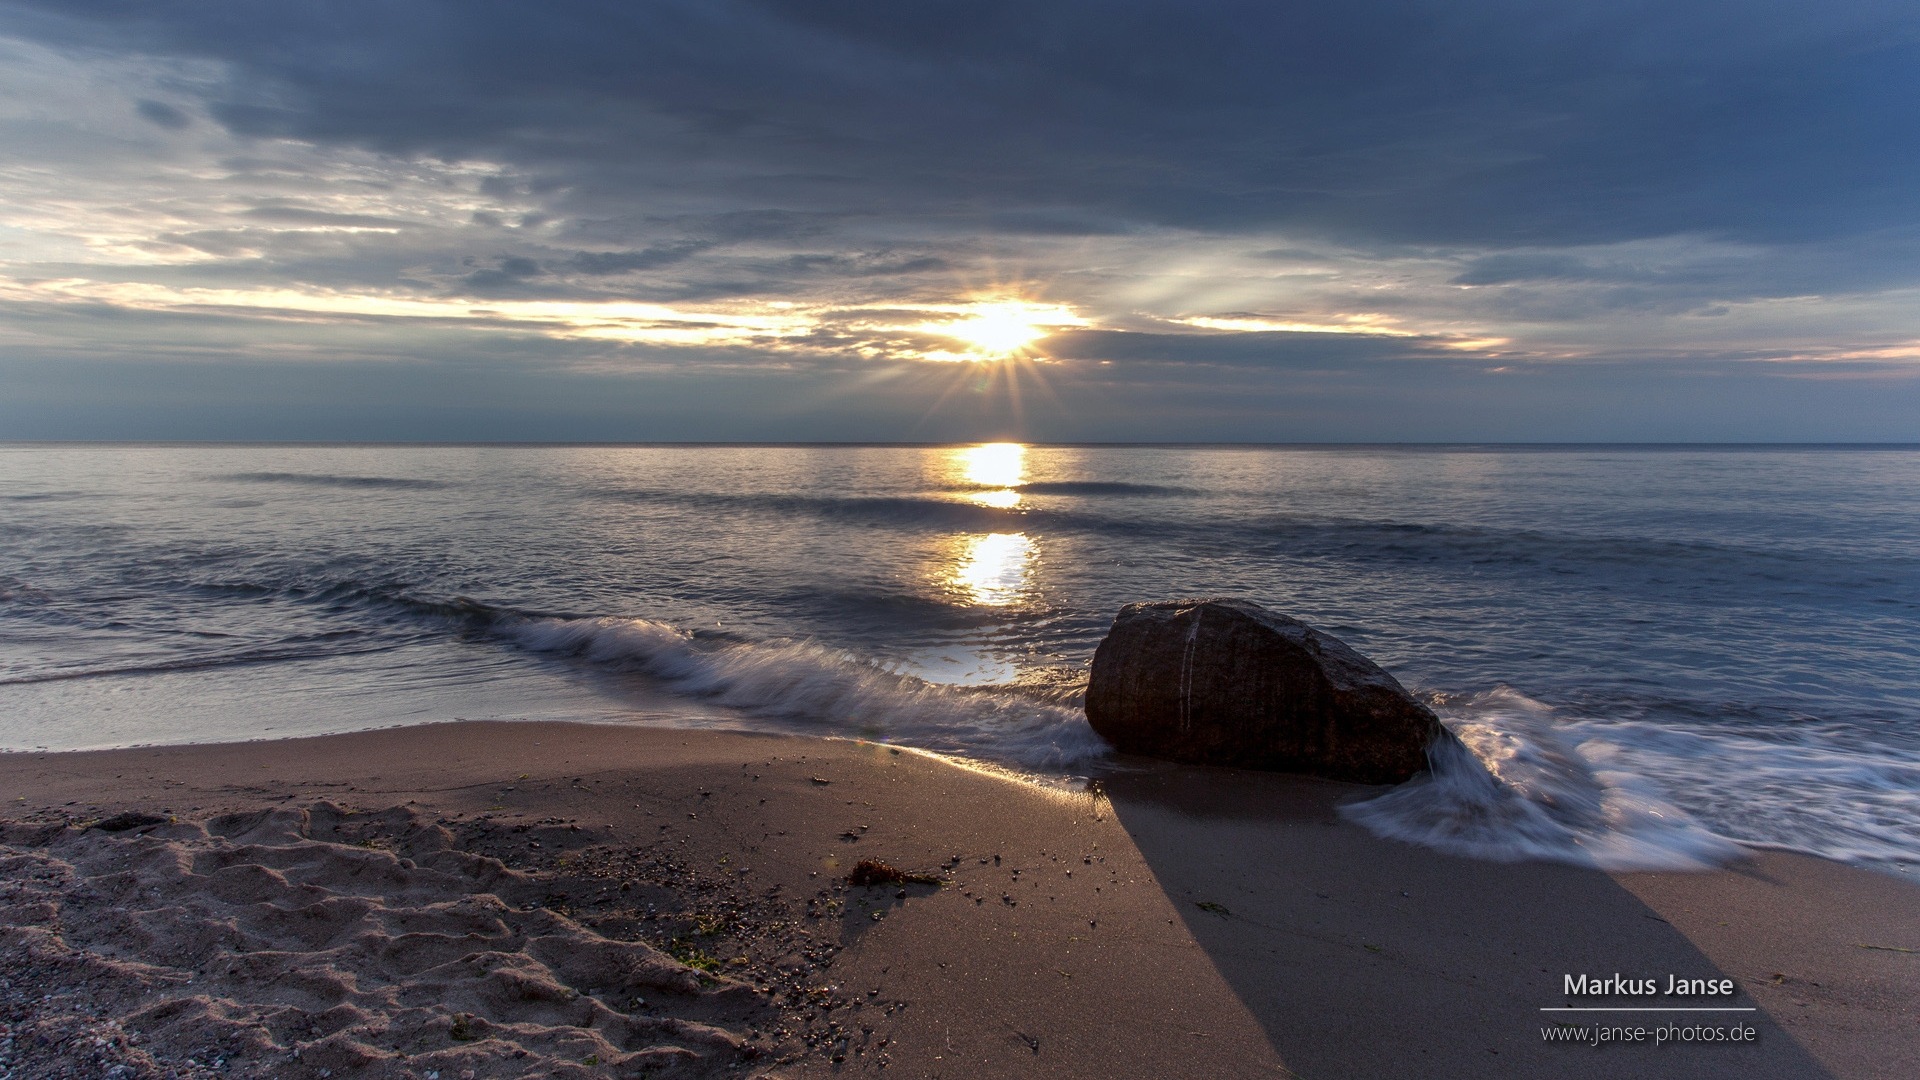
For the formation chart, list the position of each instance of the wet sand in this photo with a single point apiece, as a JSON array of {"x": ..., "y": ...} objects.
[{"x": 511, "y": 899}]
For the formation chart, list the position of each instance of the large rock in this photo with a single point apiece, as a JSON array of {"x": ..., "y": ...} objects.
[{"x": 1227, "y": 682}]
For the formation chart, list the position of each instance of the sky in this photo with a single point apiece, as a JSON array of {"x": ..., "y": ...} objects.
[{"x": 863, "y": 220}]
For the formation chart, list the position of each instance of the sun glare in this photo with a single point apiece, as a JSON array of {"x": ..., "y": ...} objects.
[{"x": 997, "y": 329}]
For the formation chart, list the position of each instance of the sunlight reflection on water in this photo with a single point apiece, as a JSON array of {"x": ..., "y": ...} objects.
[
  {"x": 999, "y": 468},
  {"x": 994, "y": 568}
]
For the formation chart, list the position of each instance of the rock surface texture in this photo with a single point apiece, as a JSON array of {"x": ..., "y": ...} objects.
[{"x": 1227, "y": 682}]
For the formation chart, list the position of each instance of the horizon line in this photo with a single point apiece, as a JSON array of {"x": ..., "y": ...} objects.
[{"x": 942, "y": 443}]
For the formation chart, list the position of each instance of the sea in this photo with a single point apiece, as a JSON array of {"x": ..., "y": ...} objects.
[{"x": 1654, "y": 656}]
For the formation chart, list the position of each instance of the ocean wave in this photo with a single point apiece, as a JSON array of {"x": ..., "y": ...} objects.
[
  {"x": 13, "y": 590},
  {"x": 355, "y": 594},
  {"x": 196, "y": 662},
  {"x": 807, "y": 687},
  {"x": 1087, "y": 487},
  {"x": 1616, "y": 558},
  {"x": 1525, "y": 783},
  {"x": 327, "y": 619},
  {"x": 905, "y": 510},
  {"x": 1603, "y": 782},
  {"x": 330, "y": 480},
  {"x": 1427, "y": 541}
]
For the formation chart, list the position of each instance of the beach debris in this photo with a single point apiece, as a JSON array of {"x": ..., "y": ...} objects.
[
  {"x": 1210, "y": 906},
  {"x": 819, "y": 779},
  {"x": 1886, "y": 948},
  {"x": 875, "y": 872},
  {"x": 1228, "y": 682}
]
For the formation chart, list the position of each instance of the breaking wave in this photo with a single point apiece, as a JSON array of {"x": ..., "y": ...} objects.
[{"x": 816, "y": 690}]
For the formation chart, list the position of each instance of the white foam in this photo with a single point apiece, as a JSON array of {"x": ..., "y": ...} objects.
[
  {"x": 1514, "y": 789},
  {"x": 1631, "y": 795},
  {"x": 819, "y": 690},
  {"x": 1799, "y": 790}
]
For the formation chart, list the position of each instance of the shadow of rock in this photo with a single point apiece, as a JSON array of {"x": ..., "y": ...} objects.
[{"x": 1363, "y": 957}]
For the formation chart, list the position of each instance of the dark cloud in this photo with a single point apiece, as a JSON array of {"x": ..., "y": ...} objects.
[
  {"x": 162, "y": 114},
  {"x": 625, "y": 262},
  {"x": 1055, "y": 223},
  {"x": 1484, "y": 122},
  {"x": 864, "y": 264},
  {"x": 763, "y": 224},
  {"x": 1577, "y": 284},
  {"x": 1272, "y": 350},
  {"x": 507, "y": 279}
]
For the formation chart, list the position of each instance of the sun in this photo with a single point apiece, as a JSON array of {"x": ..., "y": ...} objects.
[{"x": 998, "y": 329}]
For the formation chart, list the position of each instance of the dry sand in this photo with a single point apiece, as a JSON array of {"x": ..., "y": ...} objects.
[{"x": 571, "y": 900}]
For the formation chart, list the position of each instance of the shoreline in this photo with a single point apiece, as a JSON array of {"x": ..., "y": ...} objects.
[{"x": 1181, "y": 921}]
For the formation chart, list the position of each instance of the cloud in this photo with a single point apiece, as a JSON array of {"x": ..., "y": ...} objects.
[
  {"x": 1467, "y": 123},
  {"x": 161, "y": 114},
  {"x": 512, "y": 270},
  {"x": 1211, "y": 186},
  {"x": 1505, "y": 268},
  {"x": 625, "y": 262},
  {"x": 300, "y": 215},
  {"x": 1261, "y": 350}
]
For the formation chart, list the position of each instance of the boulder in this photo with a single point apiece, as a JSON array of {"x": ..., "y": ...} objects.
[{"x": 1227, "y": 682}]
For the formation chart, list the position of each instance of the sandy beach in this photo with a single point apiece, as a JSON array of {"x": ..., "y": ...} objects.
[{"x": 543, "y": 899}]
